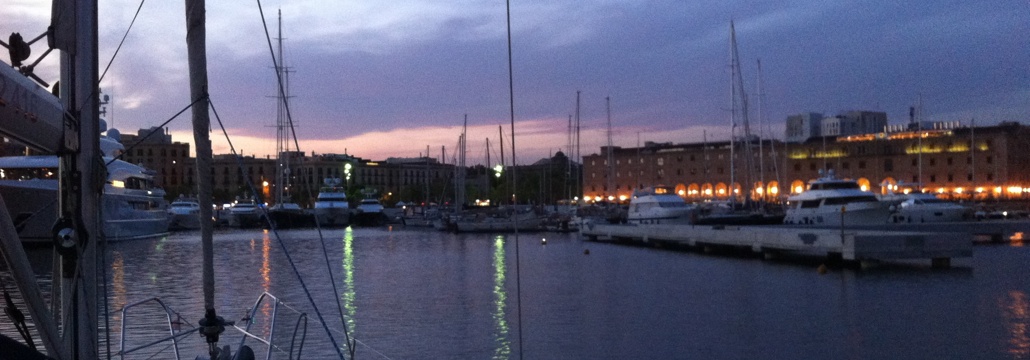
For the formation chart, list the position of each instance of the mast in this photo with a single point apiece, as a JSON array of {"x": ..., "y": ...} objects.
[
  {"x": 579, "y": 154},
  {"x": 211, "y": 325},
  {"x": 507, "y": 188},
  {"x": 283, "y": 126},
  {"x": 611, "y": 154},
  {"x": 739, "y": 103},
  {"x": 761, "y": 129}
]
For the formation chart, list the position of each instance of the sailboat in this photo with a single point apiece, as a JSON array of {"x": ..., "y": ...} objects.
[
  {"x": 284, "y": 213},
  {"x": 747, "y": 212},
  {"x": 69, "y": 329}
]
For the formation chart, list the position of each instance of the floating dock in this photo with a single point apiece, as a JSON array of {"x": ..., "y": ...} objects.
[{"x": 850, "y": 244}]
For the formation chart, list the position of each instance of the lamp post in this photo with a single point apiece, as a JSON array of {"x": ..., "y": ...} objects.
[{"x": 346, "y": 173}]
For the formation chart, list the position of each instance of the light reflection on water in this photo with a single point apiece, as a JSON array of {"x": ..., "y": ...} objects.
[
  {"x": 1016, "y": 312},
  {"x": 503, "y": 350},
  {"x": 440, "y": 295}
]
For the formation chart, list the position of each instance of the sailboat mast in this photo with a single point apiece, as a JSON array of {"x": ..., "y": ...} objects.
[
  {"x": 611, "y": 154},
  {"x": 211, "y": 324},
  {"x": 733, "y": 111},
  {"x": 761, "y": 146},
  {"x": 579, "y": 154}
]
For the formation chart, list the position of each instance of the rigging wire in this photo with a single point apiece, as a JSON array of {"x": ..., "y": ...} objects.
[
  {"x": 514, "y": 181},
  {"x": 296, "y": 145},
  {"x": 278, "y": 239}
]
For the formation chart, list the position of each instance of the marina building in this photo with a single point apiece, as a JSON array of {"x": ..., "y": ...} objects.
[
  {"x": 154, "y": 149},
  {"x": 951, "y": 160}
]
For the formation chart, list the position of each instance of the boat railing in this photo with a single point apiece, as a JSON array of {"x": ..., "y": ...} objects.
[
  {"x": 301, "y": 326},
  {"x": 174, "y": 334}
]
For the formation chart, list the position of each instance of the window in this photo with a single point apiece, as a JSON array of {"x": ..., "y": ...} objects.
[
  {"x": 949, "y": 161},
  {"x": 811, "y": 166},
  {"x": 861, "y": 164},
  {"x": 933, "y": 178},
  {"x": 845, "y": 166},
  {"x": 661, "y": 161},
  {"x": 933, "y": 162},
  {"x": 951, "y": 178},
  {"x": 989, "y": 158},
  {"x": 797, "y": 167},
  {"x": 888, "y": 165},
  {"x": 915, "y": 162}
]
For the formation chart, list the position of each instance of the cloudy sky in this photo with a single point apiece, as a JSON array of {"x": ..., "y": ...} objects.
[{"x": 389, "y": 78}]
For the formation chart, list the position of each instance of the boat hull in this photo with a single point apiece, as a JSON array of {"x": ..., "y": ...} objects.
[
  {"x": 856, "y": 214},
  {"x": 332, "y": 216},
  {"x": 33, "y": 207}
]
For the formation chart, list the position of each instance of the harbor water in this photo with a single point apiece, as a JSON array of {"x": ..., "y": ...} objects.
[{"x": 424, "y": 294}]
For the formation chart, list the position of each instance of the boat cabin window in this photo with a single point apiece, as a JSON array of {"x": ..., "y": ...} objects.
[
  {"x": 850, "y": 199},
  {"x": 836, "y": 185},
  {"x": 810, "y": 204},
  {"x": 28, "y": 173}
]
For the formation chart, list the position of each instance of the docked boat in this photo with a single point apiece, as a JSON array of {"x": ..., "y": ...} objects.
[
  {"x": 659, "y": 205},
  {"x": 918, "y": 207},
  {"x": 833, "y": 202},
  {"x": 508, "y": 220},
  {"x": 244, "y": 214},
  {"x": 368, "y": 213},
  {"x": 131, "y": 206},
  {"x": 331, "y": 206},
  {"x": 184, "y": 214}
]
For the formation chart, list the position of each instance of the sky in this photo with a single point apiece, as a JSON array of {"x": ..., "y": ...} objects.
[{"x": 380, "y": 79}]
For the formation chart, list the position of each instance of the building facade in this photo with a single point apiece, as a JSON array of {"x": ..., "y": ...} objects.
[
  {"x": 154, "y": 149},
  {"x": 953, "y": 161}
]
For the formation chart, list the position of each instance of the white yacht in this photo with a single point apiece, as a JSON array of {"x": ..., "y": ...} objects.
[
  {"x": 245, "y": 213},
  {"x": 331, "y": 207},
  {"x": 184, "y": 213},
  {"x": 832, "y": 202},
  {"x": 918, "y": 207},
  {"x": 131, "y": 206},
  {"x": 659, "y": 205},
  {"x": 369, "y": 213}
]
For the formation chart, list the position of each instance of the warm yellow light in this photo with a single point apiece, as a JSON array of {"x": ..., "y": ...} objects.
[
  {"x": 906, "y": 191},
  {"x": 774, "y": 190},
  {"x": 980, "y": 189},
  {"x": 118, "y": 183},
  {"x": 940, "y": 190},
  {"x": 622, "y": 197},
  {"x": 682, "y": 192},
  {"x": 864, "y": 187},
  {"x": 997, "y": 189},
  {"x": 611, "y": 197},
  {"x": 1015, "y": 189},
  {"x": 760, "y": 191},
  {"x": 958, "y": 190},
  {"x": 798, "y": 189},
  {"x": 722, "y": 191},
  {"x": 597, "y": 198},
  {"x": 265, "y": 184}
]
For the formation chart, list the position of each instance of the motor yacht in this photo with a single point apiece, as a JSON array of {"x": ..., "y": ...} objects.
[
  {"x": 659, "y": 205},
  {"x": 369, "y": 213},
  {"x": 331, "y": 206},
  {"x": 184, "y": 213},
  {"x": 132, "y": 207},
  {"x": 919, "y": 207},
  {"x": 833, "y": 202}
]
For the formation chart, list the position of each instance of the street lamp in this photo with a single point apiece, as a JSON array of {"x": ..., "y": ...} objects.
[{"x": 346, "y": 172}]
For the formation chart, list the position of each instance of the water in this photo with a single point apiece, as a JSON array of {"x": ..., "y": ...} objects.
[{"x": 426, "y": 294}]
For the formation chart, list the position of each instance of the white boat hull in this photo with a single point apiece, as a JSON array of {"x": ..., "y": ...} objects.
[
  {"x": 855, "y": 214},
  {"x": 33, "y": 206},
  {"x": 332, "y": 216}
]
